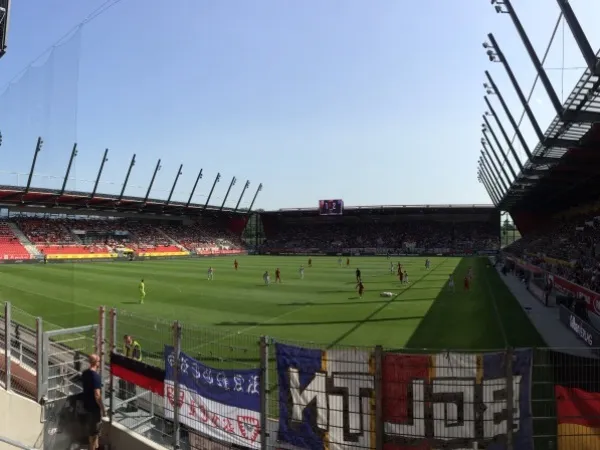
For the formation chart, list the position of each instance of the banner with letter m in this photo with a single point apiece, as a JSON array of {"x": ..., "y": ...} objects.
[{"x": 326, "y": 398}]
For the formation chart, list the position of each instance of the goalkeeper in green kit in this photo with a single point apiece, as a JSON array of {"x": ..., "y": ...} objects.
[{"x": 142, "y": 292}]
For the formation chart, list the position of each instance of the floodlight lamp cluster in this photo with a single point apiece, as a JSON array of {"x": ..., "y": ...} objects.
[
  {"x": 490, "y": 51},
  {"x": 498, "y": 6}
]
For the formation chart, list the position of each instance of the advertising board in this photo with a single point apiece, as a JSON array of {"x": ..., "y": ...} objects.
[{"x": 584, "y": 331}]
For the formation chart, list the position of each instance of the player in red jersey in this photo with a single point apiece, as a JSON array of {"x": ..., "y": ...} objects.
[
  {"x": 277, "y": 275},
  {"x": 235, "y": 264},
  {"x": 361, "y": 288},
  {"x": 347, "y": 262},
  {"x": 400, "y": 274},
  {"x": 309, "y": 262},
  {"x": 467, "y": 280}
]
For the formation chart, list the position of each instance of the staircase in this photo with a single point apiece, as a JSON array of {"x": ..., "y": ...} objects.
[
  {"x": 172, "y": 241},
  {"x": 32, "y": 249}
]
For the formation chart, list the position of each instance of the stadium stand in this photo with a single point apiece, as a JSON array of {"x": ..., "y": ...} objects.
[
  {"x": 10, "y": 246},
  {"x": 433, "y": 229}
]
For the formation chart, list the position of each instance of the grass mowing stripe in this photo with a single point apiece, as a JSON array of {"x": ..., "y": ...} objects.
[
  {"x": 382, "y": 307},
  {"x": 492, "y": 298}
]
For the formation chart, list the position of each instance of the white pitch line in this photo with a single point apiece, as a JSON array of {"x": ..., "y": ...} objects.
[{"x": 245, "y": 330}]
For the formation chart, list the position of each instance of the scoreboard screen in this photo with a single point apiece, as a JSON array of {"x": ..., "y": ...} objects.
[{"x": 331, "y": 207}]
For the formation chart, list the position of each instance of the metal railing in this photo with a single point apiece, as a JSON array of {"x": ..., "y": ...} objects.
[{"x": 226, "y": 389}]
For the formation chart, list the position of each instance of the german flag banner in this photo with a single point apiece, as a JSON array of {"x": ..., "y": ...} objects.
[
  {"x": 139, "y": 373},
  {"x": 577, "y": 394}
]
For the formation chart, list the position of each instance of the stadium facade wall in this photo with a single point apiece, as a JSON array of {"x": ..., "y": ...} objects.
[{"x": 12, "y": 425}]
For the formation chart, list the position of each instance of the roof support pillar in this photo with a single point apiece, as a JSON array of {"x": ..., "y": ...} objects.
[
  {"x": 503, "y": 131},
  {"x": 38, "y": 149},
  {"x": 131, "y": 164},
  {"x": 212, "y": 189},
  {"x": 585, "y": 48},
  {"x": 502, "y": 152}
]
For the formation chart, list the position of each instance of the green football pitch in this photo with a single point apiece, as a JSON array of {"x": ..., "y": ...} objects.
[{"x": 228, "y": 313}]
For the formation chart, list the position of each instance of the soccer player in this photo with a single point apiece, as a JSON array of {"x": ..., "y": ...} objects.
[
  {"x": 427, "y": 264},
  {"x": 309, "y": 262},
  {"x": 391, "y": 267},
  {"x": 406, "y": 277},
  {"x": 301, "y": 272},
  {"x": 267, "y": 278},
  {"x": 340, "y": 261},
  {"x": 451, "y": 282},
  {"x": 142, "y": 288},
  {"x": 235, "y": 264},
  {"x": 467, "y": 279},
  {"x": 400, "y": 273},
  {"x": 358, "y": 275},
  {"x": 347, "y": 262},
  {"x": 211, "y": 274},
  {"x": 361, "y": 288},
  {"x": 470, "y": 273},
  {"x": 277, "y": 275}
]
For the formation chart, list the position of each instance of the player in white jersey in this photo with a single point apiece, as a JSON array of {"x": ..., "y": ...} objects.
[
  {"x": 211, "y": 274},
  {"x": 427, "y": 264},
  {"x": 406, "y": 277},
  {"x": 340, "y": 261},
  {"x": 451, "y": 282},
  {"x": 267, "y": 278},
  {"x": 301, "y": 272},
  {"x": 392, "y": 267}
]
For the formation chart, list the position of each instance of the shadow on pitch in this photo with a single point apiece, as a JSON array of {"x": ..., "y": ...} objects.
[
  {"x": 361, "y": 302},
  {"x": 329, "y": 322}
]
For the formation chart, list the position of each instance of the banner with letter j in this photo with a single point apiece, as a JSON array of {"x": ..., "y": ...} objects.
[{"x": 220, "y": 403}]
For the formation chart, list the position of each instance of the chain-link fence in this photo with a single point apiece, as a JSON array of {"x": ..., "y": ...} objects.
[{"x": 226, "y": 389}]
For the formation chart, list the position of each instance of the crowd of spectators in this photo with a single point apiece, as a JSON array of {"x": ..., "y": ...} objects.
[
  {"x": 107, "y": 234},
  {"x": 413, "y": 234},
  {"x": 569, "y": 247}
]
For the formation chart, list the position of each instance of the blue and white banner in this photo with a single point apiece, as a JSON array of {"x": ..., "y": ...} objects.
[
  {"x": 326, "y": 398},
  {"x": 221, "y": 403}
]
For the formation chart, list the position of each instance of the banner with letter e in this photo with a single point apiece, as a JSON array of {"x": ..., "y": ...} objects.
[
  {"x": 223, "y": 404},
  {"x": 326, "y": 398}
]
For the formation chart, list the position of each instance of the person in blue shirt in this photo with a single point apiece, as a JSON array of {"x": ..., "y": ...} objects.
[{"x": 92, "y": 401}]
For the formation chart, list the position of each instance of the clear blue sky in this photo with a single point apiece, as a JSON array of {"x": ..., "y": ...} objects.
[{"x": 374, "y": 102}]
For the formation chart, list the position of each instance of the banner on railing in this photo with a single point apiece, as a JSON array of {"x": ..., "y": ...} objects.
[
  {"x": 220, "y": 403},
  {"x": 326, "y": 398},
  {"x": 445, "y": 400},
  {"x": 456, "y": 400}
]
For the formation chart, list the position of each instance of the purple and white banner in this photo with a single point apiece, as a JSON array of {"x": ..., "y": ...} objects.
[{"x": 223, "y": 404}]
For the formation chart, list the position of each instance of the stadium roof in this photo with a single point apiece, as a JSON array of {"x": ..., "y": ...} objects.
[
  {"x": 84, "y": 203},
  {"x": 567, "y": 159}
]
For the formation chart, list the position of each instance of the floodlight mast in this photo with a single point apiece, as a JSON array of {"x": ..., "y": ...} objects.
[
  {"x": 246, "y": 186},
  {"x": 511, "y": 119},
  {"x": 500, "y": 149},
  {"x": 104, "y": 160},
  {"x": 66, "y": 180},
  {"x": 487, "y": 187},
  {"x": 491, "y": 180},
  {"x": 260, "y": 186},
  {"x": 490, "y": 161},
  {"x": 233, "y": 180},
  {"x": 194, "y": 188},
  {"x": 503, "y": 131},
  {"x": 534, "y": 58},
  {"x": 38, "y": 149},
  {"x": 174, "y": 184},
  {"x": 131, "y": 164},
  {"x": 212, "y": 189},
  {"x": 496, "y": 157},
  {"x": 156, "y": 169},
  {"x": 502, "y": 191},
  {"x": 517, "y": 87},
  {"x": 592, "y": 62},
  {"x": 493, "y": 188}
]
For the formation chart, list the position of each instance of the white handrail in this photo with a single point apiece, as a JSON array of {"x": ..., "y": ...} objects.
[{"x": 15, "y": 443}]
